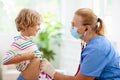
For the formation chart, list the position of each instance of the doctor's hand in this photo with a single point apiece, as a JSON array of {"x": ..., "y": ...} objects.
[{"x": 48, "y": 68}]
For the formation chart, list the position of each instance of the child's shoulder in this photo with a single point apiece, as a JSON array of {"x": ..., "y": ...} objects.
[
  {"x": 22, "y": 43},
  {"x": 21, "y": 39}
]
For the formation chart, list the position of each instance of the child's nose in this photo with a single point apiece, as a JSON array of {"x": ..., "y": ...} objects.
[{"x": 39, "y": 28}]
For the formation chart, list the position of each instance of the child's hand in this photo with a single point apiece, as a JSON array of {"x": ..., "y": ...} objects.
[{"x": 29, "y": 55}]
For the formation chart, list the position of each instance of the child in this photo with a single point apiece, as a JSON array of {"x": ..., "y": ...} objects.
[{"x": 27, "y": 23}]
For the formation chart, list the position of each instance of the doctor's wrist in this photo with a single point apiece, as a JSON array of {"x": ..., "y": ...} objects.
[{"x": 53, "y": 74}]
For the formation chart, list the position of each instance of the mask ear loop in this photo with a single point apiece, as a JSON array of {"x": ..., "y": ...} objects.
[{"x": 83, "y": 43}]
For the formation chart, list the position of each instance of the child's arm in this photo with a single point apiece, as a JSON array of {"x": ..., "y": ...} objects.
[{"x": 19, "y": 58}]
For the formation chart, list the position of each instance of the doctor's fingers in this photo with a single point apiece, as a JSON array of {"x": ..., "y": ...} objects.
[{"x": 44, "y": 62}]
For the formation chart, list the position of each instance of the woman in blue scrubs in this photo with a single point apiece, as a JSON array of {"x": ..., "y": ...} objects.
[{"x": 99, "y": 59}]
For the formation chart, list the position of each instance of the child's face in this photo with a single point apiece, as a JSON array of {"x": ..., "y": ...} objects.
[
  {"x": 35, "y": 30},
  {"x": 32, "y": 31}
]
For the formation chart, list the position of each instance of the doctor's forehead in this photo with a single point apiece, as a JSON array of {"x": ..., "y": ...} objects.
[{"x": 74, "y": 21}]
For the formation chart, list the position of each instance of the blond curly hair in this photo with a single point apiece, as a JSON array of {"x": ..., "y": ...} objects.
[{"x": 27, "y": 18}]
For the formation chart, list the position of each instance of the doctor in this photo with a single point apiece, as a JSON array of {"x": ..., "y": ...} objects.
[{"x": 99, "y": 59}]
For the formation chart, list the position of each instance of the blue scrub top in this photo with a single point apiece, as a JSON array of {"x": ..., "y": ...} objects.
[{"x": 100, "y": 59}]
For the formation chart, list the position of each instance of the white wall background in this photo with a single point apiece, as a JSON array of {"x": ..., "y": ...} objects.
[{"x": 115, "y": 32}]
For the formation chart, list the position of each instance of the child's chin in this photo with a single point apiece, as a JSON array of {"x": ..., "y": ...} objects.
[{"x": 33, "y": 35}]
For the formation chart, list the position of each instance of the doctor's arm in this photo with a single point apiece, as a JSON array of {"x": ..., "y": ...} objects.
[{"x": 49, "y": 69}]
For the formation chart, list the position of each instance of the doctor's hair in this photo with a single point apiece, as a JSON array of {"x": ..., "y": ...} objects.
[
  {"x": 27, "y": 18},
  {"x": 89, "y": 18}
]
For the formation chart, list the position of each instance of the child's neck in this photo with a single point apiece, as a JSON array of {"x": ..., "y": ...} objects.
[{"x": 24, "y": 34}]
